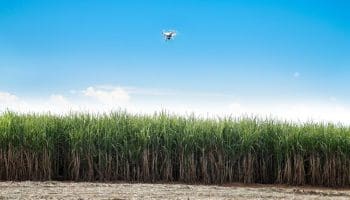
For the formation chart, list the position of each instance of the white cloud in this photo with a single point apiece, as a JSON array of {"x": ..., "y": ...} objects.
[
  {"x": 59, "y": 99},
  {"x": 92, "y": 99},
  {"x": 103, "y": 99},
  {"x": 53, "y": 103},
  {"x": 9, "y": 101},
  {"x": 235, "y": 106},
  {"x": 57, "y": 103},
  {"x": 109, "y": 96},
  {"x": 309, "y": 111},
  {"x": 6, "y": 97}
]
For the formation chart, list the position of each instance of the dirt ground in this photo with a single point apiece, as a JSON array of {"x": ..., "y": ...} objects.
[{"x": 70, "y": 190}]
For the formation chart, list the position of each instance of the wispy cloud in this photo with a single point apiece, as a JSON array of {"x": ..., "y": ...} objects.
[
  {"x": 235, "y": 107},
  {"x": 296, "y": 75},
  {"x": 295, "y": 111},
  {"x": 150, "y": 91},
  {"x": 6, "y": 97},
  {"x": 110, "y": 96},
  {"x": 333, "y": 99},
  {"x": 104, "y": 99},
  {"x": 138, "y": 91}
]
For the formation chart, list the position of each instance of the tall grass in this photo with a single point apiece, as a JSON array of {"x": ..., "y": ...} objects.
[{"x": 162, "y": 147}]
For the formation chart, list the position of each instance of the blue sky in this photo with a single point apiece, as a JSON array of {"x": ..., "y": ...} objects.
[{"x": 226, "y": 52}]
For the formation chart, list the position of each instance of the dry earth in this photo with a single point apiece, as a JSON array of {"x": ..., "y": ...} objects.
[{"x": 70, "y": 190}]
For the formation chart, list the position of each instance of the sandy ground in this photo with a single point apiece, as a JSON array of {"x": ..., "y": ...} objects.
[{"x": 69, "y": 190}]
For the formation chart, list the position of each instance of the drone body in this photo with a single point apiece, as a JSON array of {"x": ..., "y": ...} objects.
[{"x": 169, "y": 35}]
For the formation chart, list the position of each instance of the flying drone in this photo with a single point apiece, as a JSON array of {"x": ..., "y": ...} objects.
[{"x": 169, "y": 35}]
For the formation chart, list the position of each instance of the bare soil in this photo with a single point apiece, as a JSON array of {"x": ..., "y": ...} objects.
[{"x": 83, "y": 190}]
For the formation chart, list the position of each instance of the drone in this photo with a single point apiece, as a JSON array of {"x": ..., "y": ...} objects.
[{"x": 169, "y": 35}]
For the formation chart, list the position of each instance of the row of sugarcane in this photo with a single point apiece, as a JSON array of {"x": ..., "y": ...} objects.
[{"x": 167, "y": 148}]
